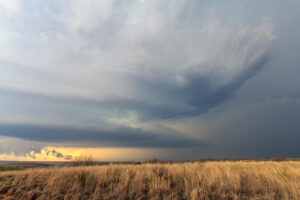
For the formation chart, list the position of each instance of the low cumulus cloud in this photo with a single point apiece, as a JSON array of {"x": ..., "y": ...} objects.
[
  {"x": 63, "y": 154},
  {"x": 45, "y": 154}
]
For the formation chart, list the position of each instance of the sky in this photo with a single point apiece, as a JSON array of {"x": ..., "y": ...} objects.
[{"x": 126, "y": 80}]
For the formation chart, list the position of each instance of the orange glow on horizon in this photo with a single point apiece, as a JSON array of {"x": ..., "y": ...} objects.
[{"x": 69, "y": 153}]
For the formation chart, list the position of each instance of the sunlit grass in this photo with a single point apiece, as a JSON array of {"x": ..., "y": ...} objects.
[{"x": 208, "y": 180}]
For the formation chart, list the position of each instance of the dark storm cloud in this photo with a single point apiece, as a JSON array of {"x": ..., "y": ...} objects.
[
  {"x": 153, "y": 60},
  {"x": 119, "y": 137},
  {"x": 157, "y": 65},
  {"x": 197, "y": 96},
  {"x": 258, "y": 130}
]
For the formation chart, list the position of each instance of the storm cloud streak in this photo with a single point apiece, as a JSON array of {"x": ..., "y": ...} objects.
[{"x": 120, "y": 137}]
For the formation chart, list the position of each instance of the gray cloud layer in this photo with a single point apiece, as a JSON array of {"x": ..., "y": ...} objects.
[
  {"x": 93, "y": 70},
  {"x": 147, "y": 54},
  {"x": 120, "y": 137}
]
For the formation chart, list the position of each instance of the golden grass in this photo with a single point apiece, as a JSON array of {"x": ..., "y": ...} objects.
[{"x": 208, "y": 180}]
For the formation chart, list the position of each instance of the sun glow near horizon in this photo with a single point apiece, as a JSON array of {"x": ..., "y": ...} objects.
[{"x": 65, "y": 154}]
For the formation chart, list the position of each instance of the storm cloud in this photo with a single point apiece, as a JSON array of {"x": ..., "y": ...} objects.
[
  {"x": 147, "y": 52},
  {"x": 133, "y": 73},
  {"x": 120, "y": 137}
]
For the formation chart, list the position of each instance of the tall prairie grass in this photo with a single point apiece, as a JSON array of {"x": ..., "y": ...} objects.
[{"x": 208, "y": 180}]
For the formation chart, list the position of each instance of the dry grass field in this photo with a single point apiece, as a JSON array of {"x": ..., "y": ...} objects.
[{"x": 207, "y": 180}]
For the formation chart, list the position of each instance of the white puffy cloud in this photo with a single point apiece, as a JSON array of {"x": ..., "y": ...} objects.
[{"x": 46, "y": 154}]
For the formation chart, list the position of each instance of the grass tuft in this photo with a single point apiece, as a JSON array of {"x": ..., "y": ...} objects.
[{"x": 84, "y": 179}]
